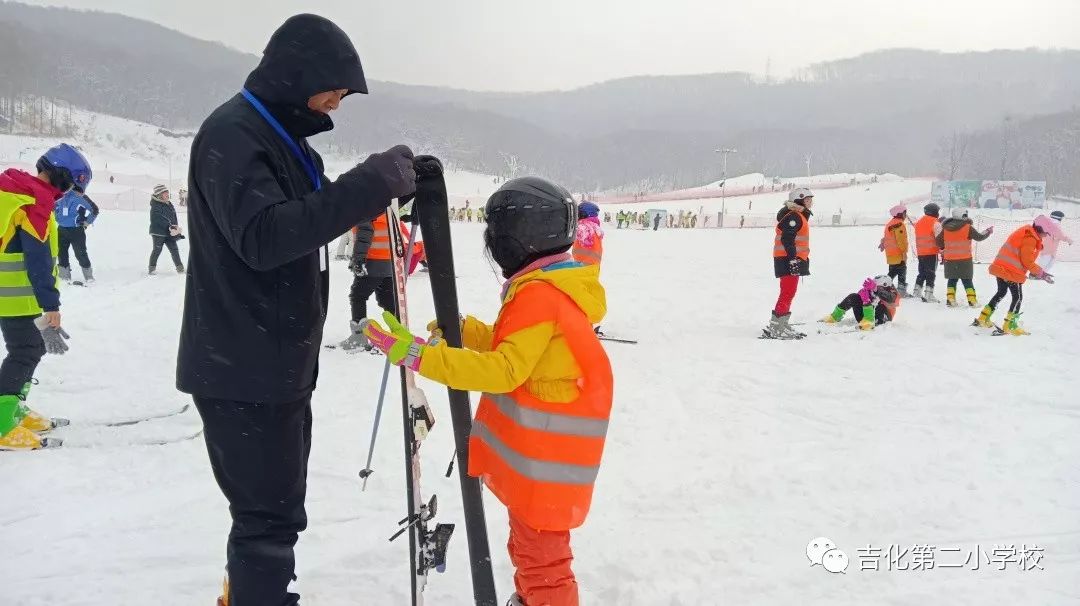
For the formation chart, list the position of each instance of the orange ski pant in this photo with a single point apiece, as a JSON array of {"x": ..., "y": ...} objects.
[{"x": 541, "y": 559}]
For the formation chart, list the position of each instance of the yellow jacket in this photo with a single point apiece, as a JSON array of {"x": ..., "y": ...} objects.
[{"x": 535, "y": 356}]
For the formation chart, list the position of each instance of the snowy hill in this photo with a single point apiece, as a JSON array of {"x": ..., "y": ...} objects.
[{"x": 138, "y": 156}]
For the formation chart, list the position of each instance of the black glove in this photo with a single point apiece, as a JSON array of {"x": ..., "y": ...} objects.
[
  {"x": 395, "y": 166},
  {"x": 794, "y": 266}
]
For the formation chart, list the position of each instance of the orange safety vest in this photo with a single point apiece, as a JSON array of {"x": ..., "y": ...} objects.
[
  {"x": 589, "y": 255},
  {"x": 925, "y": 242},
  {"x": 380, "y": 241},
  {"x": 958, "y": 244},
  {"x": 892, "y": 247},
  {"x": 541, "y": 458},
  {"x": 802, "y": 238},
  {"x": 1008, "y": 265}
]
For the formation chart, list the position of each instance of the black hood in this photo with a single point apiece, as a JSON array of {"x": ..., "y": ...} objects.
[{"x": 307, "y": 55}]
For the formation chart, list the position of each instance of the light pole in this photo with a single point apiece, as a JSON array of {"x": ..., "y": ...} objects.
[{"x": 723, "y": 182}]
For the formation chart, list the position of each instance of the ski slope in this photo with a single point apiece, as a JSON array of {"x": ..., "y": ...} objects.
[{"x": 727, "y": 454}]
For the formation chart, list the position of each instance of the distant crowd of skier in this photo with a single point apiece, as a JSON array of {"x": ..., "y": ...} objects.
[{"x": 947, "y": 241}]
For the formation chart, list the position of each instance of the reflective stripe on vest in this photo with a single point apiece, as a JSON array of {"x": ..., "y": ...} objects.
[
  {"x": 1010, "y": 255},
  {"x": 547, "y": 421},
  {"x": 586, "y": 255},
  {"x": 379, "y": 250},
  {"x": 536, "y": 469},
  {"x": 925, "y": 243},
  {"x": 957, "y": 244},
  {"x": 802, "y": 238}
]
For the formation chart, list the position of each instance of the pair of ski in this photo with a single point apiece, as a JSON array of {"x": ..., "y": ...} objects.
[
  {"x": 53, "y": 442},
  {"x": 427, "y": 545}
]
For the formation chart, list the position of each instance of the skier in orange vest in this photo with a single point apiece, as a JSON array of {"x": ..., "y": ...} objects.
[
  {"x": 1014, "y": 262},
  {"x": 589, "y": 240},
  {"x": 547, "y": 387},
  {"x": 373, "y": 272},
  {"x": 895, "y": 246},
  {"x": 926, "y": 232},
  {"x": 791, "y": 259},
  {"x": 955, "y": 242}
]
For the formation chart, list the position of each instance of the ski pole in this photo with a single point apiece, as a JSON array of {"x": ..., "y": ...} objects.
[{"x": 367, "y": 471}]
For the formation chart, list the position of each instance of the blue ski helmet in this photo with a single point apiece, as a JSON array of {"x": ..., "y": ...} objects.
[
  {"x": 588, "y": 209},
  {"x": 66, "y": 167}
]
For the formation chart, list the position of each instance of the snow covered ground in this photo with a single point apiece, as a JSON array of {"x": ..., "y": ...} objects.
[{"x": 727, "y": 454}]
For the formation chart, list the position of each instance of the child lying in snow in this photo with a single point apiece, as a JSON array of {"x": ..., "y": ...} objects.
[{"x": 873, "y": 305}]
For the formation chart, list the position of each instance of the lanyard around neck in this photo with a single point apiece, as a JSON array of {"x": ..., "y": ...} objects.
[{"x": 305, "y": 159}]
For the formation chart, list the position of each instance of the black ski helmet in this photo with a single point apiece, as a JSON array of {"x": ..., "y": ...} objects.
[
  {"x": 931, "y": 209},
  {"x": 528, "y": 218}
]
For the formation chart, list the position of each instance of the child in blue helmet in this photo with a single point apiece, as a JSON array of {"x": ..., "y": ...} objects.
[
  {"x": 30, "y": 301},
  {"x": 75, "y": 211}
]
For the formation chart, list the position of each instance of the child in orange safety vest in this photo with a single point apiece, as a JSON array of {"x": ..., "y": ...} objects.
[
  {"x": 1014, "y": 262},
  {"x": 927, "y": 250},
  {"x": 539, "y": 431},
  {"x": 894, "y": 243}
]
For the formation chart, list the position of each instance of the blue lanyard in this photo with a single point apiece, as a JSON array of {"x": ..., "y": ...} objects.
[{"x": 305, "y": 159}]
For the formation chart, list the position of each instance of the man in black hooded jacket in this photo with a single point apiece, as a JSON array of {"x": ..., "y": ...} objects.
[{"x": 260, "y": 214}]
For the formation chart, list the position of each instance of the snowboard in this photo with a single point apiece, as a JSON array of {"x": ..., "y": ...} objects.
[{"x": 431, "y": 209}]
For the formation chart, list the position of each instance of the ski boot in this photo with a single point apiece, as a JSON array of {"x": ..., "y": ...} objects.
[
  {"x": 13, "y": 436},
  {"x": 984, "y": 318},
  {"x": 836, "y": 315},
  {"x": 902, "y": 289},
  {"x": 88, "y": 274},
  {"x": 33, "y": 421},
  {"x": 64, "y": 273},
  {"x": 950, "y": 296},
  {"x": 916, "y": 293},
  {"x": 928, "y": 296},
  {"x": 865, "y": 324},
  {"x": 1011, "y": 326},
  {"x": 151, "y": 271},
  {"x": 180, "y": 268},
  {"x": 972, "y": 301},
  {"x": 779, "y": 328},
  {"x": 357, "y": 339}
]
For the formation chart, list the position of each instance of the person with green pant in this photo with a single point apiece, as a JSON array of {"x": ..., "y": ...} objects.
[
  {"x": 29, "y": 298},
  {"x": 874, "y": 304}
]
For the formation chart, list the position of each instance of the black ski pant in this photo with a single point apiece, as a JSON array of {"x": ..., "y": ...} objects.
[
  {"x": 259, "y": 455},
  {"x": 899, "y": 270},
  {"x": 73, "y": 237},
  {"x": 968, "y": 283},
  {"x": 361, "y": 290},
  {"x": 25, "y": 348},
  {"x": 927, "y": 270},
  {"x": 1014, "y": 288},
  {"x": 170, "y": 242},
  {"x": 854, "y": 303}
]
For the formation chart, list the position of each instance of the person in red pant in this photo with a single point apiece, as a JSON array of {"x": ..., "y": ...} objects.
[{"x": 791, "y": 259}]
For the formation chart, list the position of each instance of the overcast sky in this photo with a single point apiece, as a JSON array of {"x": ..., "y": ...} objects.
[{"x": 549, "y": 44}]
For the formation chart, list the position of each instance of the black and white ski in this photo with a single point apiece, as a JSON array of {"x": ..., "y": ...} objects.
[
  {"x": 432, "y": 210},
  {"x": 140, "y": 419},
  {"x": 616, "y": 340},
  {"x": 427, "y": 546},
  {"x": 52, "y": 442}
]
